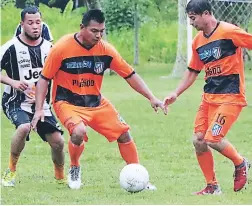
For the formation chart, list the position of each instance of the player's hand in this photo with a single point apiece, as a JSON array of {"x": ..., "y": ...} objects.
[
  {"x": 156, "y": 103},
  {"x": 171, "y": 98},
  {"x": 30, "y": 101},
  {"x": 19, "y": 85},
  {"x": 38, "y": 115},
  {"x": 30, "y": 94}
]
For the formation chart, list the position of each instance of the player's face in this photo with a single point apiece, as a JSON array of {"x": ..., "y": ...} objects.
[
  {"x": 93, "y": 32},
  {"x": 197, "y": 21},
  {"x": 32, "y": 26}
]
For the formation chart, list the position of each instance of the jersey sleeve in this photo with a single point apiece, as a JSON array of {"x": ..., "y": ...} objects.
[
  {"x": 52, "y": 64},
  {"x": 195, "y": 64},
  {"x": 46, "y": 33},
  {"x": 119, "y": 65},
  {"x": 240, "y": 37}
]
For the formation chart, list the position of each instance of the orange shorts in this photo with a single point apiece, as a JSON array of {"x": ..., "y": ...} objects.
[
  {"x": 215, "y": 120},
  {"x": 104, "y": 119}
]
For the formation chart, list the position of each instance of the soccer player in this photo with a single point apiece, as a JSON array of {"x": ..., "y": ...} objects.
[
  {"x": 217, "y": 50},
  {"x": 77, "y": 64},
  {"x": 23, "y": 58},
  {"x": 45, "y": 31}
]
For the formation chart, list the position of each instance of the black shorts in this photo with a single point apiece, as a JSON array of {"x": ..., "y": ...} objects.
[{"x": 18, "y": 116}]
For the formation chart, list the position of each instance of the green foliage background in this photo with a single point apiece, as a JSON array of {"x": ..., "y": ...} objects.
[
  {"x": 158, "y": 28},
  {"x": 157, "y": 33}
]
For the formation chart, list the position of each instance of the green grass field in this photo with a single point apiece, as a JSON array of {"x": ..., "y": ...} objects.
[{"x": 164, "y": 145}]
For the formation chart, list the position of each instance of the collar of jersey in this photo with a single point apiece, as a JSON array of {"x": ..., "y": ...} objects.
[
  {"x": 87, "y": 48},
  {"x": 208, "y": 36}
]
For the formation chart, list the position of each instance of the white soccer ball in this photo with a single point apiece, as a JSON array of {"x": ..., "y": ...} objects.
[{"x": 134, "y": 178}]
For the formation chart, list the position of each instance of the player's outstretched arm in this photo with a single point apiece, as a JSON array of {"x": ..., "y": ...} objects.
[
  {"x": 138, "y": 84},
  {"x": 41, "y": 91},
  {"x": 187, "y": 81},
  {"x": 19, "y": 85}
]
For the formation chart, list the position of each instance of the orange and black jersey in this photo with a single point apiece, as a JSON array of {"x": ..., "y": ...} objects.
[
  {"x": 220, "y": 55},
  {"x": 77, "y": 72}
]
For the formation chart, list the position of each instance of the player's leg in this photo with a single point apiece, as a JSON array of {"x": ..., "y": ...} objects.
[
  {"x": 203, "y": 152},
  {"x": 76, "y": 144},
  {"x": 50, "y": 131},
  {"x": 224, "y": 118},
  {"x": 22, "y": 122},
  {"x": 116, "y": 129},
  {"x": 127, "y": 148}
]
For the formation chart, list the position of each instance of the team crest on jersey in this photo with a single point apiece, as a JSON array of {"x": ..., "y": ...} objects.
[
  {"x": 99, "y": 67},
  {"x": 216, "y": 52},
  {"x": 216, "y": 129}
]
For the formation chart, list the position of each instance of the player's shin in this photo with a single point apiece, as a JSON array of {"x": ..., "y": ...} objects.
[
  {"x": 231, "y": 153},
  {"x": 75, "y": 152},
  {"x": 13, "y": 161},
  {"x": 59, "y": 171},
  {"x": 128, "y": 152},
  {"x": 58, "y": 161},
  {"x": 18, "y": 144},
  {"x": 206, "y": 162},
  {"x": 56, "y": 142}
]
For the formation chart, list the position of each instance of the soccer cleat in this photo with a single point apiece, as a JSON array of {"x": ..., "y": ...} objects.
[
  {"x": 241, "y": 176},
  {"x": 209, "y": 190},
  {"x": 74, "y": 177},
  {"x": 8, "y": 178},
  {"x": 150, "y": 187}
]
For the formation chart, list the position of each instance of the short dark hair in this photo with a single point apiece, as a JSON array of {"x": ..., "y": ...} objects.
[
  {"x": 198, "y": 6},
  {"x": 93, "y": 14},
  {"x": 29, "y": 10}
]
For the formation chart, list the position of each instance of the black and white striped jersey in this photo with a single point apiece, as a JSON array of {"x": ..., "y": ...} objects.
[
  {"x": 24, "y": 62},
  {"x": 45, "y": 31}
]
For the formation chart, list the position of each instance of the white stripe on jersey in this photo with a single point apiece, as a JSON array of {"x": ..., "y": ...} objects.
[{"x": 24, "y": 61}]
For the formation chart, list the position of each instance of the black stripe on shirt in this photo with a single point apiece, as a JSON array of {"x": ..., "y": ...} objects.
[
  {"x": 86, "y": 64},
  {"x": 229, "y": 84},
  {"x": 63, "y": 94}
]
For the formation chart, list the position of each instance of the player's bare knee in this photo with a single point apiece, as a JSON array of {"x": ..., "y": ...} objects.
[
  {"x": 124, "y": 138},
  {"x": 78, "y": 134},
  {"x": 24, "y": 129},
  {"x": 196, "y": 139},
  {"x": 199, "y": 142},
  {"x": 77, "y": 138}
]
